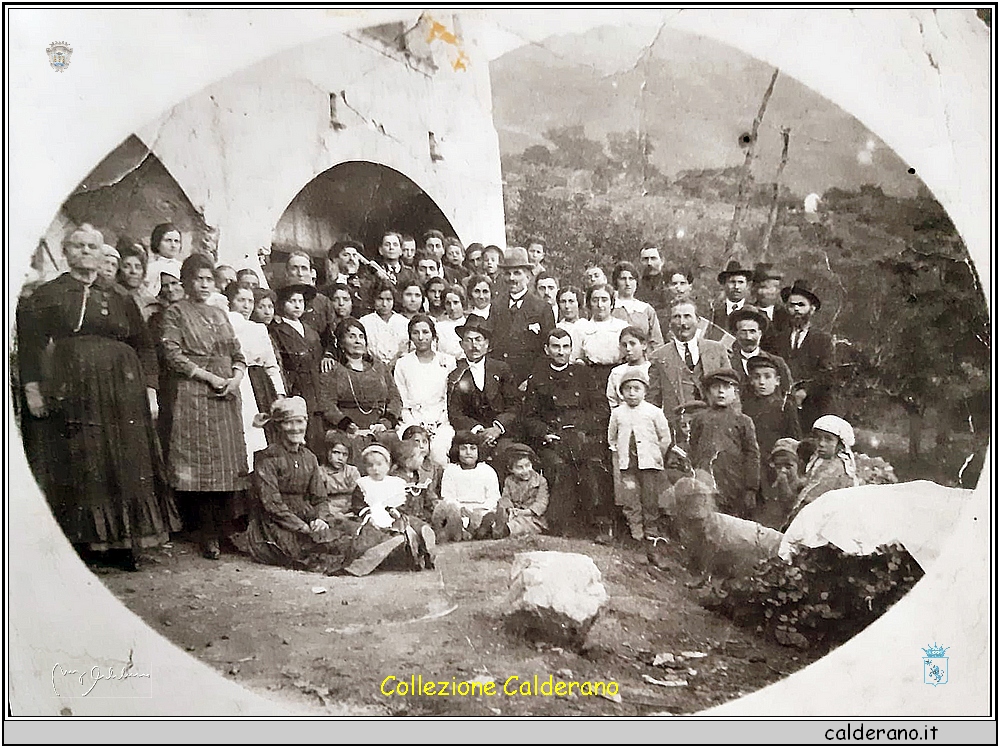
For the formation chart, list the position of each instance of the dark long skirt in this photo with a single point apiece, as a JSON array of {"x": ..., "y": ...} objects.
[{"x": 109, "y": 489}]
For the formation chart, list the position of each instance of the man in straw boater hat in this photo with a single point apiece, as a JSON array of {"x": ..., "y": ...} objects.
[
  {"x": 482, "y": 392},
  {"x": 808, "y": 352},
  {"x": 735, "y": 282},
  {"x": 520, "y": 320}
]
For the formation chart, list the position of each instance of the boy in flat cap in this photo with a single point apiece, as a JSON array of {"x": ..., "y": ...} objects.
[
  {"x": 772, "y": 411},
  {"x": 724, "y": 443}
]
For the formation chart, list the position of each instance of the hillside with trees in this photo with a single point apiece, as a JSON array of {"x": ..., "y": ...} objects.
[{"x": 899, "y": 291}]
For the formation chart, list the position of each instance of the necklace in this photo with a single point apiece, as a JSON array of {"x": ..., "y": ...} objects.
[{"x": 350, "y": 381}]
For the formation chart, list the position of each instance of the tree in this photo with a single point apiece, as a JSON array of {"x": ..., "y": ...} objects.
[
  {"x": 630, "y": 153},
  {"x": 537, "y": 154},
  {"x": 574, "y": 150}
]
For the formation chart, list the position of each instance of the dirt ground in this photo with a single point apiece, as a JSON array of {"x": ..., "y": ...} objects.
[{"x": 327, "y": 652}]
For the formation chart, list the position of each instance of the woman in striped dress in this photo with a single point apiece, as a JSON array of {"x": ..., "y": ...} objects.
[{"x": 207, "y": 461}]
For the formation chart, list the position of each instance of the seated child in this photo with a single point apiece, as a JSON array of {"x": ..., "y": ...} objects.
[
  {"x": 638, "y": 437},
  {"x": 525, "y": 495},
  {"x": 773, "y": 413},
  {"x": 420, "y": 436},
  {"x": 780, "y": 494},
  {"x": 384, "y": 528},
  {"x": 470, "y": 493},
  {"x": 340, "y": 476},
  {"x": 724, "y": 443},
  {"x": 832, "y": 464},
  {"x": 421, "y": 483},
  {"x": 633, "y": 344}
]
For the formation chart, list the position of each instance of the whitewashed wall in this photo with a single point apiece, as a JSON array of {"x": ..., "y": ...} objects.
[{"x": 243, "y": 148}]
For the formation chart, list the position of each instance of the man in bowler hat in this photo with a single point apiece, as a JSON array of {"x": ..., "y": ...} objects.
[
  {"x": 735, "y": 282},
  {"x": 520, "y": 320},
  {"x": 808, "y": 352}
]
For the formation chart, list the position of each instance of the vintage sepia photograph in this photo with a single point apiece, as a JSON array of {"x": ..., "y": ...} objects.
[{"x": 503, "y": 364}]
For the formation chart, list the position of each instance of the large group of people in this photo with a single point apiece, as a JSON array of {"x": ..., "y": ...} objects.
[{"x": 433, "y": 393}]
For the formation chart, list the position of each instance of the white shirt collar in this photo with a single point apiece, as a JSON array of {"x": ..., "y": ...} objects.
[
  {"x": 296, "y": 325},
  {"x": 746, "y": 356},
  {"x": 478, "y": 370},
  {"x": 519, "y": 296},
  {"x": 558, "y": 368},
  {"x": 692, "y": 344},
  {"x": 732, "y": 306}
]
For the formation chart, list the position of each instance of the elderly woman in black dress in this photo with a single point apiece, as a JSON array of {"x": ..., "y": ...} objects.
[
  {"x": 207, "y": 461},
  {"x": 94, "y": 402},
  {"x": 358, "y": 396},
  {"x": 291, "y": 521}
]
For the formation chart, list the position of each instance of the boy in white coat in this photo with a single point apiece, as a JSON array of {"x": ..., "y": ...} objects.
[{"x": 638, "y": 436}]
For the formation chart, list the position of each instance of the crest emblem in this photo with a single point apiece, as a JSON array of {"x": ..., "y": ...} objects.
[
  {"x": 59, "y": 54},
  {"x": 935, "y": 665}
]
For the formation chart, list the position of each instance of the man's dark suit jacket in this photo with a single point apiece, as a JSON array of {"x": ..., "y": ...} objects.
[
  {"x": 781, "y": 326},
  {"x": 719, "y": 316},
  {"x": 319, "y": 315},
  {"x": 812, "y": 365},
  {"x": 519, "y": 334},
  {"x": 498, "y": 401}
]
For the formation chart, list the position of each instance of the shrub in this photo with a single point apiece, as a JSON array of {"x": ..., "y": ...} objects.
[{"x": 822, "y": 595}]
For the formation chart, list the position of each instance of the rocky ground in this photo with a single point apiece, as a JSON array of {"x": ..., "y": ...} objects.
[{"x": 323, "y": 645}]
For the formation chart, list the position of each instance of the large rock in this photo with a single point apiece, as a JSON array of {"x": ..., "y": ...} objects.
[{"x": 554, "y": 596}]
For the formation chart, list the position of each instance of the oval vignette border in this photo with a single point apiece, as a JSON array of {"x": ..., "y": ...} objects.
[{"x": 948, "y": 167}]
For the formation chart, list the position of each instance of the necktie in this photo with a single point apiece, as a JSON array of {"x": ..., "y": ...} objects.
[
  {"x": 688, "y": 358},
  {"x": 796, "y": 340},
  {"x": 515, "y": 303}
]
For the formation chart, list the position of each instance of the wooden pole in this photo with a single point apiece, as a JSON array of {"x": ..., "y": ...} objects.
[
  {"x": 743, "y": 191},
  {"x": 772, "y": 216}
]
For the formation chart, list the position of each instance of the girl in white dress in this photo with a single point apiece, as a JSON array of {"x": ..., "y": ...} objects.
[{"x": 422, "y": 380}]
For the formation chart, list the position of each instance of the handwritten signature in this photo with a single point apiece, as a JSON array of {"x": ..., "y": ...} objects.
[{"x": 89, "y": 678}]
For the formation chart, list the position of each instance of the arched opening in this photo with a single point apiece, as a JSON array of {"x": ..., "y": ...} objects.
[
  {"x": 128, "y": 193},
  {"x": 356, "y": 200}
]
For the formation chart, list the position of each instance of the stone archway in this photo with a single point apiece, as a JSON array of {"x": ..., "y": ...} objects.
[
  {"x": 128, "y": 193},
  {"x": 359, "y": 200}
]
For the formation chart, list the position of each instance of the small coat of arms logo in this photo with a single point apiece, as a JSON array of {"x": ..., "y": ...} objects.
[
  {"x": 59, "y": 54},
  {"x": 935, "y": 665}
]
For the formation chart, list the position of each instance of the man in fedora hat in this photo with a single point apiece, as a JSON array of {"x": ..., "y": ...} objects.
[
  {"x": 767, "y": 298},
  {"x": 482, "y": 392},
  {"x": 520, "y": 320},
  {"x": 808, "y": 352},
  {"x": 749, "y": 325},
  {"x": 735, "y": 282}
]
